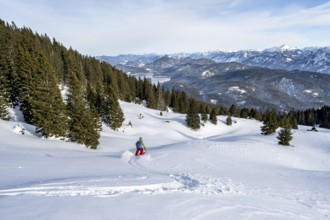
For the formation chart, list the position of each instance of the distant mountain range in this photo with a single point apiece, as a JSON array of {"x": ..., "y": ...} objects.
[{"x": 280, "y": 78}]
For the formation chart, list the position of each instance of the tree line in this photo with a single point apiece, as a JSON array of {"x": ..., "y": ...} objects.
[{"x": 68, "y": 95}]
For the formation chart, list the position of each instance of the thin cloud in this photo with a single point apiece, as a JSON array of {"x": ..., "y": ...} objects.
[{"x": 145, "y": 26}]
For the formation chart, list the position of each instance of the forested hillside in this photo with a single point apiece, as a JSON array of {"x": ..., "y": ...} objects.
[
  {"x": 68, "y": 95},
  {"x": 35, "y": 70}
]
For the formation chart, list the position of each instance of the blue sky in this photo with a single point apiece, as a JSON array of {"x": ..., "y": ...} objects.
[{"x": 112, "y": 27}]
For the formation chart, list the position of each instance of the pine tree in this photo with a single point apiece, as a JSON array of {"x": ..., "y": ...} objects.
[
  {"x": 8, "y": 57},
  {"x": 310, "y": 117},
  {"x": 40, "y": 99},
  {"x": 285, "y": 135},
  {"x": 258, "y": 116},
  {"x": 234, "y": 111},
  {"x": 270, "y": 123},
  {"x": 213, "y": 116},
  {"x": 229, "y": 121},
  {"x": 325, "y": 117},
  {"x": 84, "y": 126},
  {"x": 139, "y": 89},
  {"x": 160, "y": 99},
  {"x": 47, "y": 105},
  {"x": 94, "y": 127},
  {"x": 184, "y": 103},
  {"x": 244, "y": 113},
  {"x": 223, "y": 111},
  {"x": 149, "y": 94},
  {"x": 174, "y": 100},
  {"x": 203, "y": 110},
  {"x": 204, "y": 117},
  {"x": 293, "y": 122},
  {"x": 192, "y": 118},
  {"x": 26, "y": 82},
  {"x": 113, "y": 114},
  {"x": 4, "y": 115}
]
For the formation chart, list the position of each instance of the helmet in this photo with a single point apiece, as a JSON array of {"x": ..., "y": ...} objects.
[{"x": 140, "y": 138}]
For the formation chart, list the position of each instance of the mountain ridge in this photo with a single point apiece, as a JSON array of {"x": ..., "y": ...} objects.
[
  {"x": 283, "y": 78},
  {"x": 315, "y": 59}
]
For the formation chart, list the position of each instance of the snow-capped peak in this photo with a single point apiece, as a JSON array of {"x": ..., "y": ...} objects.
[{"x": 282, "y": 48}]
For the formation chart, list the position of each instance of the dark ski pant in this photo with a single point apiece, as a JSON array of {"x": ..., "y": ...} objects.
[{"x": 139, "y": 151}]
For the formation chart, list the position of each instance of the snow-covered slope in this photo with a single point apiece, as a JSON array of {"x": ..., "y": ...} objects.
[{"x": 218, "y": 172}]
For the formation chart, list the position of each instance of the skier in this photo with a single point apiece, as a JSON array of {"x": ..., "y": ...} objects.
[{"x": 140, "y": 147}]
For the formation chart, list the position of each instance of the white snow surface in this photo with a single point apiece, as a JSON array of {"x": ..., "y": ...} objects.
[
  {"x": 214, "y": 101},
  {"x": 207, "y": 74},
  {"x": 315, "y": 94},
  {"x": 218, "y": 172},
  {"x": 236, "y": 89}
]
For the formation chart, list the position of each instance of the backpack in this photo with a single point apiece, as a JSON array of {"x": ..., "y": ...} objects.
[{"x": 138, "y": 144}]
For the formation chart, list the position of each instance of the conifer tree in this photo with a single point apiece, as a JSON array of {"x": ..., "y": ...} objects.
[
  {"x": 133, "y": 87},
  {"x": 167, "y": 97},
  {"x": 184, "y": 103},
  {"x": 270, "y": 123},
  {"x": 204, "y": 112},
  {"x": 258, "y": 116},
  {"x": 285, "y": 135},
  {"x": 8, "y": 65},
  {"x": 293, "y": 122},
  {"x": 113, "y": 114},
  {"x": 4, "y": 114},
  {"x": 139, "y": 89},
  {"x": 325, "y": 117},
  {"x": 150, "y": 95},
  {"x": 48, "y": 108},
  {"x": 174, "y": 100},
  {"x": 253, "y": 113},
  {"x": 234, "y": 111},
  {"x": 204, "y": 116},
  {"x": 310, "y": 118},
  {"x": 223, "y": 111},
  {"x": 94, "y": 127},
  {"x": 229, "y": 121},
  {"x": 213, "y": 116},
  {"x": 84, "y": 126},
  {"x": 160, "y": 99},
  {"x": 192, "y": 118},
  {"x": 244, "y": 113},
  {"x": 40, "y": 99},
  {"x": 56, "y": 58},
  {"x": 26, "y": 70},
  {"x": 94, "y": 98},
  {"x": 123, "y": 87}
]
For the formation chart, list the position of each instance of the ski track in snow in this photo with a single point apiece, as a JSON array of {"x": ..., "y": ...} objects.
[
  {"x": 149, "y": 181},
  {"x": 158, "y": 182}
]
